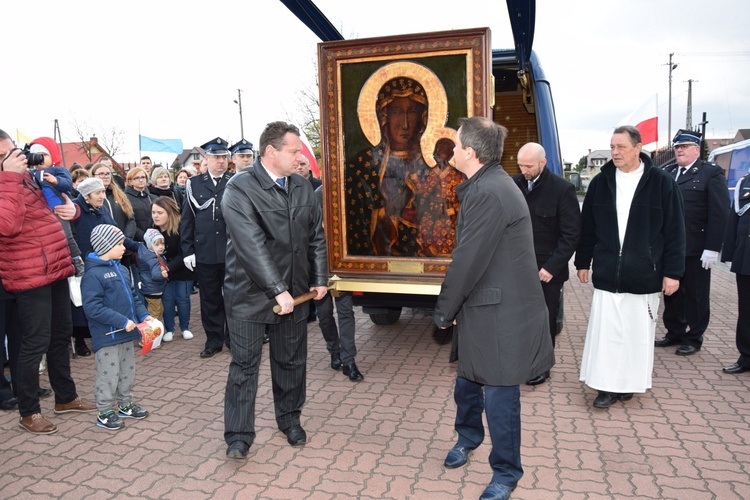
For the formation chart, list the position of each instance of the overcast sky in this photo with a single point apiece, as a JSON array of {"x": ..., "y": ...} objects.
[{"x": 171, "y": 69}]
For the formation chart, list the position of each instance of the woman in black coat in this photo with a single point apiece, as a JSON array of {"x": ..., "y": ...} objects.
[
  {"x": 161, "y": 185},
  {"x": 141, "y": 199}
]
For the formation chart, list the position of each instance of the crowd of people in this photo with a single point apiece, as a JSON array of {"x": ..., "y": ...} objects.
[{"x": 253, "y": 238}]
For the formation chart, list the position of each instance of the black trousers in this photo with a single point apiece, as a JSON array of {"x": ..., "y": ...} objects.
[
  {"x": 213, "y": 318},
  {"x": 12, "y": 329},
  {"x": 689, "y": 306},
  {"x": 46, "y": 324},
  {"x": 288, "y": 356},
  {"x": 743, "y": 319},
  {"x": 552, "y": 293}
]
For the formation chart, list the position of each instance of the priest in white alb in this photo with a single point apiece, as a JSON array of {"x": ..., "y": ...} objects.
[{"x": 633, "y": 243}]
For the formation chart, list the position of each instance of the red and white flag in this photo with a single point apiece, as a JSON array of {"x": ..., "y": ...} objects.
[
  {"x": 645, "y": 119},
  {"x": 308, "y": 152}
]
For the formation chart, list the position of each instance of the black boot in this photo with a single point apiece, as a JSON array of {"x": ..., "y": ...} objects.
[{"x": 81, "y": 348}]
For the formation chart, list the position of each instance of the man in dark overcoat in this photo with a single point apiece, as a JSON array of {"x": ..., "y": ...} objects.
[
  {"x": 556, "y": 220},
  {"x": 492, "y": 294},
  {"x": 203, "y": 235},
  {"x": 276, "y": 251},
  {"x": 705, "y": 196}
]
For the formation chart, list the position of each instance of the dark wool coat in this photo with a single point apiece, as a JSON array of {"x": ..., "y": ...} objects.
[
  {"x": 556, "y": 219},
  {"x": 654, "y": 245},
  {"x": 492, "y": 286},
  {"x": 275, "y": 244},
  {"x": 141, "y": 202}
]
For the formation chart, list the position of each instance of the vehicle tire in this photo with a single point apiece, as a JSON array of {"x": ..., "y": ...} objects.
[{"x": 386, "y": 318}]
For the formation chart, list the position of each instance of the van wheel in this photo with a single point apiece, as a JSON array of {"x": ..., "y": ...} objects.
[{"x": 386, "y": 318}]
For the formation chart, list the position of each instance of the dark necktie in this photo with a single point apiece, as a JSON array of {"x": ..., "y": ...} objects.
[
  {"x": 281, "y": 181},
  {"x": 531, "y": 185},
  {"x": 680, "y": 172},
  {"x": 217, "y": 180}
]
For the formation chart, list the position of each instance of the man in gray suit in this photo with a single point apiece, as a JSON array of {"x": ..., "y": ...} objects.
[
  {"x": 275, "y": 251},
  {"x": 493, "y": 296}
]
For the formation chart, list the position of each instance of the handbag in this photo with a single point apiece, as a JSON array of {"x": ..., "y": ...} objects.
[{"x": 74, "y": 283}]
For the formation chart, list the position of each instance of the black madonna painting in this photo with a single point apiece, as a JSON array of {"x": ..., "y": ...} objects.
[{"x": 391, "y": 108}]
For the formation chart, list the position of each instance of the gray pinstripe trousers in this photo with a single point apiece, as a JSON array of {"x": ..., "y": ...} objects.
[{"x": 288, "y": 355}]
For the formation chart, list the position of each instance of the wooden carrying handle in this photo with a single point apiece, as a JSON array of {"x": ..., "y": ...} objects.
[{"x": 297, "y": 300}]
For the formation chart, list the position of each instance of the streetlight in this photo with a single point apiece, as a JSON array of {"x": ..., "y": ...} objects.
[
  {"x": 238, "y": 101},
  {"x": 671, "y": 67}
]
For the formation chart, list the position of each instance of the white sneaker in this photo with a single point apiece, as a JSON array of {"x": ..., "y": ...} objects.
[
  {"x": 168, "y": 337},
  {"x": 187, "y": 334}
]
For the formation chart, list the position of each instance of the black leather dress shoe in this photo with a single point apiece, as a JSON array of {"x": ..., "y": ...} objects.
[
  {"x": 44, "y": 392},
  {"x": 457, "y": 457},
  {"x": 238, "y": 450},
  {"x": 605, "y": 399},
  {"x": 336, "y": 360},
  {"x": 665, "y": 342},
  {"x": 296, "y": 435},
  {"x": 539, "y": 379},
  {"x": 353, "y": 373},
  {"x": 687, "y": 350},
  {"x": 209, "y": 351},
  {"x": 9, "y": 404},
  {"x": 736, "y": 368}
]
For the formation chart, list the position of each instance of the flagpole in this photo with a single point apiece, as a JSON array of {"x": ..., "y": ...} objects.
[
  {"x": 140, "y": 154},
  {"x": 657, "y": 121}
]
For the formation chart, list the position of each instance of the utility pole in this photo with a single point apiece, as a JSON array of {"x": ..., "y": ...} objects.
[
  {"x": 689, "y": 119},
  {"x": 672, "y": 66},
  {"x": 238, "y": 101}
]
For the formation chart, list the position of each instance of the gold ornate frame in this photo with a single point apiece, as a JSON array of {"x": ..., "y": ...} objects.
[{"x": 454, "y": 67}]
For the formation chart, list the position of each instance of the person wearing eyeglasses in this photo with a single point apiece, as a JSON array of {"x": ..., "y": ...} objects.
[{"x": 140, "y": 198}]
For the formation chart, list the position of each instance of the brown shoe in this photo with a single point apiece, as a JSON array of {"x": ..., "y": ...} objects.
[
  {"x": 77, "y": 404},
  {"x": 37, "y": 424}
]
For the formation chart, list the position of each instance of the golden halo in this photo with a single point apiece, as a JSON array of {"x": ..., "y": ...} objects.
[{"x": 437, "y": 102}]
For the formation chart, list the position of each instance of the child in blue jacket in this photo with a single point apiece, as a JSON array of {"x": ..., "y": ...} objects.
[
  {"x": 153, "y": 271},
  {"x": 112, "y": 309}
]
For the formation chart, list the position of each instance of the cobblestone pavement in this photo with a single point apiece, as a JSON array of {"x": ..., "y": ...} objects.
[{"x": 386, "y": 437}]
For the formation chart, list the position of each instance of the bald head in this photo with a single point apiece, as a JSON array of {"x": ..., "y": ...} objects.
[{"x": 531, "y": 160}]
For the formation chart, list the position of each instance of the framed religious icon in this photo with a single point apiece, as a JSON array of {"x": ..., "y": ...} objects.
[{"x": 390, "y": 109}]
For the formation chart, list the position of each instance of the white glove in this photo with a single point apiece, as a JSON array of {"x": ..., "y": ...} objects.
[
  {"x": 709, "y": 258},
  {"x": 190, "y": 262}
]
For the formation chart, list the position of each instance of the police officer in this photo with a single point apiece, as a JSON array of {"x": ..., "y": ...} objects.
[
  {"x": 705, "y": 197},
  {"x": 204, "y": 241},
  {"x": 242, "y": 154}
]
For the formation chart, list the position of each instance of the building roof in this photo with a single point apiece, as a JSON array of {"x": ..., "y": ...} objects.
[{"x": 84, "y": 153}]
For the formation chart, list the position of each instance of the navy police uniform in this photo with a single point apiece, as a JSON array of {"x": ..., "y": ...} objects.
[
  {"x": 204, "y": 234},
  {"x": 703, "y": 187},
  {"x": 737, "y": 251}
]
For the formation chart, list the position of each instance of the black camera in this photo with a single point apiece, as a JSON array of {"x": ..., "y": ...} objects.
[{"x": 32, "y": 159}]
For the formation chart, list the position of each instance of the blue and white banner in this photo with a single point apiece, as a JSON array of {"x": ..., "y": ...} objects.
[{"x": 160, "y": 145}]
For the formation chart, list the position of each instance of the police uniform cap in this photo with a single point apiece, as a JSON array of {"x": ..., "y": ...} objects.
[
  {"x": 689, "y": 137},
  {"x": 244, "y": 147},
  {"x": 216, "y": 147}
]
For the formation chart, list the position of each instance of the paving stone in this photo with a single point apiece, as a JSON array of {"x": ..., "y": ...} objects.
[{"x": 386, "y": 437}]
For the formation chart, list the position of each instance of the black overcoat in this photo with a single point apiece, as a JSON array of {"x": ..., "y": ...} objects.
[{"x": 556, "y": 220}]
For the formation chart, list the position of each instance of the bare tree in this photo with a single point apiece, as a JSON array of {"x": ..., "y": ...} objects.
[{"x": 111, "y": 139}]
